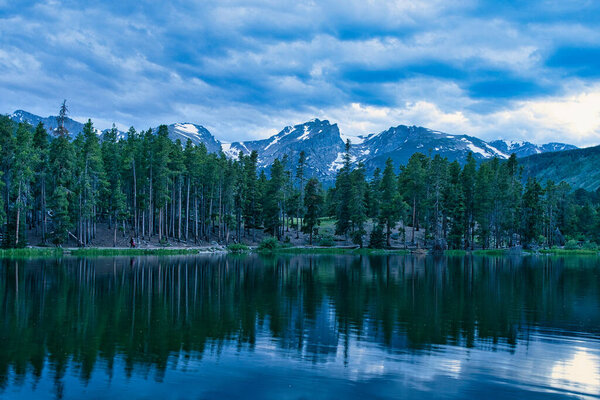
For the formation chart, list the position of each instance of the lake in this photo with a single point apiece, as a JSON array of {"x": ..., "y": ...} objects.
[{"x": 300, "y": 327}]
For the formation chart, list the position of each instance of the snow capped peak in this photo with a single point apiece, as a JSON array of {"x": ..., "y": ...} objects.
[
  {"x": 354, "y": 140},
  {"x": 305, "y": 134}
]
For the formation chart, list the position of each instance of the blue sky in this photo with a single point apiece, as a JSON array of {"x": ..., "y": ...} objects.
[{"x": 493, "y": 69}]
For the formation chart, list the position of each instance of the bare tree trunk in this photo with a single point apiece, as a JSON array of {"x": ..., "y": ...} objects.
[
  {"x": 115, "y": 232},
  {"x": 172, "y": 230},
  {"x": 44, "y": 219},
  {"x": 414, "y": 216},
  {"x": 210, "y": 206},
  {"x": 18, "y": 215},
  {"x": 135, "y": 212},
  {"x": 220, "y": 215},
  {"x": 187, "y": 211},
  {"x": 160, "y": 225},
  {"x": 150, "y": 219},
  {"x": 196, "y": 216},
  {"x": 179, "y": 210}
]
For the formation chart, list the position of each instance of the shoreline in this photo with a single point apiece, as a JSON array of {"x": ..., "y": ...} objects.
[{"x": 32, "y": 252}]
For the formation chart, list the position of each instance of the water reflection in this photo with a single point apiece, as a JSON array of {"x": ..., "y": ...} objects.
[{"x": 405, "y": 322}]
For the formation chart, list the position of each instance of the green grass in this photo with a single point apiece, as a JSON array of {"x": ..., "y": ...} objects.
[
  {"x": 335, "y": 250},
  {"x": 486, "y": 252},
  {"x": 455, "y": 252},
  {"x": 131, "y": 252},
  {"x": 238, "y": 248},
  {"x": 565, "y": 252},
  {"x": 31, "y": 252}
]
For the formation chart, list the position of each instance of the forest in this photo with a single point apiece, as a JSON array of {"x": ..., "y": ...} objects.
[{"x": 66, "y": 187}]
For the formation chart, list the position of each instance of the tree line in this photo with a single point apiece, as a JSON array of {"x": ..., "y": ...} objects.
[{"x": 145, "y": 185}]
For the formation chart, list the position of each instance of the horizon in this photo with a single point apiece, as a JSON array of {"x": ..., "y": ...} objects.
[{"x": 243, "y": 70}]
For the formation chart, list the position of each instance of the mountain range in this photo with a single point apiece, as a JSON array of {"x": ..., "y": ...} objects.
[{"x": 324, "y": 145}]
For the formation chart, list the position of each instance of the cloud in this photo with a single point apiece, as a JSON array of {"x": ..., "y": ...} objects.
[{"x": 246, "y": 69}]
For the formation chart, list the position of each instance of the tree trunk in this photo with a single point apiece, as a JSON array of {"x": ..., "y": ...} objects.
[
  {"x": 414, "y": 216},
  {"x": 18, "y": 215},
  {"x": 187, "y": 211},
  {"x": 44, "y": 219},
  {"x": 135, "y": 213},
  {"x": 196, "y": 215},
  {"x": 160, "y": 225},
  {"x": 179, "y": 210},
  {"x": 150, "y": 219}
]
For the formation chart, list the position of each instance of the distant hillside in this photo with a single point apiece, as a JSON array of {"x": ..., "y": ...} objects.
[
  {"x": 323, "y": 144},
  {"x": 51, "y": 123},
  {"x": 580, "y": 168}
]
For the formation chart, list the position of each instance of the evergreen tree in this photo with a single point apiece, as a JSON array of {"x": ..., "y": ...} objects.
[
  {"x": 160, "y": 177},
  {"x": 374, "y": 195},
  {"x": 532, "y": 211},
  {"x": 115, "y": 199},
  {"x": 61, "y": 170},
  {"x": 25, "y": 159},
  {"x": 377, "y": 239},
  {"x": 391, "y": 204},
  {"x": 413, "y": 185},
  {"x": 468, "y": 178},
  {"x": 300, "y": 176},
  {"x": 313, "y": 201},
  {"x": 358, "y": 200},
  {"x": 273, "y": 200},
  {"x": 41, "y": 146},
  {"x": 454, "y": 206},
  {"x": 343, "y": 194}
]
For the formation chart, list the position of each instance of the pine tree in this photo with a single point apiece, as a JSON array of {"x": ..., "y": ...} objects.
[
  {"x": 413, "y": 184},
  {"x": 114, "y": 197},
  {"x": 273, "y": 200},
  {"x": 7, "y": 146},
  {"x": 25, "y": 159},
  {"x": 61, "y": 170},
  {"x": 374, "y": 195},
  {"x": 391, "y": 204},
  {"x": 343, "y": 194},
  {"x": 454, "y": 206},
  {"x": 483, "y": 203},
  {"x": 313, "y": 201},
  {"x": 41, "y": 146},
  {"x": 377, "y": 239},
  {"x": 300, "y": 176},
  {"x": 532, "y": 211},
  {"x": 160, "y": 177},
  {"x": 468, "y": 178},
  {"x": 358, "y": 203},
  {"x": 437, "y": 178}
]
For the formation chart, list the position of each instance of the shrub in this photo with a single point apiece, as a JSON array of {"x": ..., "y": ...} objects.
[
  {"x": 326, "y": 241},
  {"x": 377, "y": 238},
  {"x": 269, "y": 243},
  {"x": 237, "y": 248},
  {"x": 357, "y": 237},
  {"x": 572, "y": 245},
  {"x": 590, "y": 246}
]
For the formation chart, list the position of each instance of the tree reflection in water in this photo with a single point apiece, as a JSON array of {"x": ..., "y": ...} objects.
[{"x": 151, "y": 311}]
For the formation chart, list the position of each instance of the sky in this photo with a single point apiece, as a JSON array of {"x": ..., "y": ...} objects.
[{"x": 245, "y": 69}]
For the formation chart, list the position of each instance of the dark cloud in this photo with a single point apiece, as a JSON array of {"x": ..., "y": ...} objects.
[
  {"x": 580, "y": 61},
  {"x": 241, "y": 67}
]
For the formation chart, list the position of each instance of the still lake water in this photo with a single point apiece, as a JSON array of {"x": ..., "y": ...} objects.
[{"x": 300, "y": 327}]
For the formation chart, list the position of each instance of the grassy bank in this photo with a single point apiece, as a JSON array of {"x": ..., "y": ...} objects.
[
  {"x": 487, "y": 252},
  {"x": 131, "y": 252},
  {"x": 330, "y": 250},
  {"x": 31, "y": 252},
  {"x": 565, "y": 252}
]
